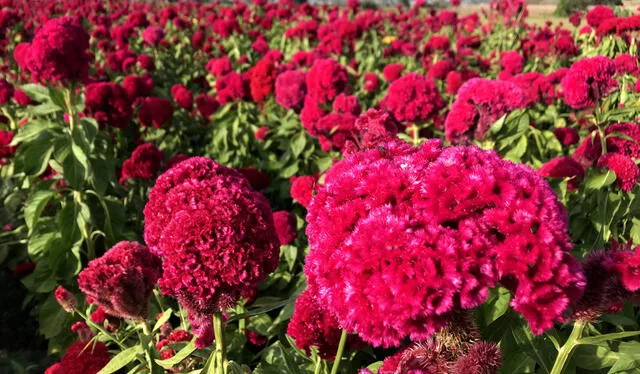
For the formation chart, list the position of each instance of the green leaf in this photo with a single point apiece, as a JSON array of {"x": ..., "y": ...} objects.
[
  {"x": 36, "y": 92},
  {"x": 178, "y": 357},
  {"x": 165, "y": 317},
  {"x": 607, "y": 337},
  {"x": 594, "y": 357},
  {"x": 598, "y": 181},
  {"x": 290, "y": 253},
  {"x": 121, "y": 360},
  {"x": 76, "y": 166},
  {"x": 35, "y": 205},
  {"x": 298, "y": 142},
  {"x": 33, "y": 157},
  {"x": 32, "y": 129},
  {"x": 44, "y": 109},
  {"x": 375, "y": 367}
]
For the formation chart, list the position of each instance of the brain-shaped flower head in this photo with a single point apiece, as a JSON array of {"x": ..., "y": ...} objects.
[{"x": 403, "y": 236}]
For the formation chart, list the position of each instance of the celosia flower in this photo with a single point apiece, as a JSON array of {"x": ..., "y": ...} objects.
[
  {"x": 262, "y": 133},
  {"x": 563, "y": 167},
  {"x": 454, "y": 81},
  {"x": 326, "y": 79},
  {"x": 479, "y": 103},
  {"x": 152, "y": 35},
  {"x": 258, "y": 179},
  {"x": 6, "y": 137},
  {"x": 137, "y": 87},
  {"x": 376, "y": 127},
  {"x": 155, "y": 111},
  {"x": 214, "y": 232},
  {"x": 426, "y": 357},
  {"x": 182, "y": 96},
  {"x": 599, "y": 13},
  {"x": 82, "y": 357},
  {"x": 144, "y": 163},
  {"x": 624, "y": 138},
  {"x": 313, "y": 326},
  {"x": 121, "y": 281},
  {"x": 588, "y": 151},
  {"x": 219, "y": 67},
  {"x": 291, "y": 89},
  {"x": 58, "y": 52},
  {"x": 392, "y": 72},
  {"x": 232, "y": 87},
  {"x": 413, "y": 98},
  {"x": 261, "y": 79},
  {"x": 626, "y": 64},
  {"x": 108, "y": 103},
  {"x": 206, "y": 105},
  {"x": 285, "y": 224},
  {"x": 302, "y": 189},
  {"x": 66, "y": 299},
  {"x": 627, "y": 172},
  {"x": 21, "y": 98},
  {"x": 480, "y": 358},
  {"x": 371, "y": 82},
  {"x": 512, "y": 62},
  {"x": 567, "y": 135},
  {"x": 386, "y": 217},
  {"x": 587, "y": 81}
]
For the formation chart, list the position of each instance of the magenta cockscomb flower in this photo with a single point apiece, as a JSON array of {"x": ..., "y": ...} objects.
[
  {"x": 587, "y": 81},
  {"x": 66, "y": 299},
  {"x": 627, "y": 172},
  {"x": 108, "y": 103},
  {"x": 144, "y": 163},
  {"x": 290, "y": 89},
  {"x": 413, "y": 98},
  {"x": 479, "y": 103},
  {"x": 563, "y": 167},
  {"x": 285, "y": 223},
  {"x": 82, "y": 357},
  {"x": 121, "y": 281},
  {"x": 385, "y": 218},
  {"x": 326, "y": 79},
  {"x": 214, "y": 232}
]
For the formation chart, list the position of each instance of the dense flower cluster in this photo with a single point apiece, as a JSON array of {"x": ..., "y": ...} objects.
[
  {"x": 627, "y": 172},
  {"x": 479, "y": 103},
  {"x": 290, "y": 89},
  {"x": 384, "y": 218},
  {"x": 587, "y": 81},
  {"x": 57, "y": 53},
  {"x": 563, "y": 167},
  {"x": 121, "y": 281},
  {"x": 155, "y": 111},
  {"x": 214, "y": 232},
  {"x": 326, "y": 79},
  {"x": 82, "y": 357},
  {"x": 108, "y": 103},
  {"x": 144, "y": 163},
  {"x": 413, "y": 98}
]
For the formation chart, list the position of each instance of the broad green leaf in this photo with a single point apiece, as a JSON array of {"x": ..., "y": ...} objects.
[
  {"x": 36, "y": 92},
  {"x": 598, "y": 181},
  {"x": 32, "y": 129},
  {"x": 35, "y": 205},
  {"x": 179, "y": 356},
  {"x": 121, "y": 360}
]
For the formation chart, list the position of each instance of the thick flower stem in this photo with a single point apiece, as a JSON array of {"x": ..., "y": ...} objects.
[
  {"x": 565, "y": 352},
  {"x": 70, "y": 102},
  {"x": 221, "y": 354},
  {"x": 336, "y": 363}
]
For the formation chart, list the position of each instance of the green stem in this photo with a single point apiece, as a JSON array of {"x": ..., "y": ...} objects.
[
  {"x": 565, "y": 352},
  {"x": 70, "y": 102},
  {"x": 336, "y": 363},
  {"x": 218, "y": 330}
]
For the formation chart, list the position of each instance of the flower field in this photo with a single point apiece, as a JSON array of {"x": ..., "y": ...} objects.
[{"x": 225, "y": 188}]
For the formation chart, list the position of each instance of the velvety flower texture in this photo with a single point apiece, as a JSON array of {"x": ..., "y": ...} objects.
[
  {"x": 108, "y": 103},
  {"x": 58, "y": 52},
  {"x": 262, "y": 77},
  {"x": 155, "y": 111},
  {"x": 291, "y": 89},
  {"x": 402, "y": 236},
  {"x": 6, "y": 91},
  {"x": 285, "y": 224},
  {"x": 182, "y": 96},
  {"x": 479, "y": 103},
  {"x": 144, "y": 163},
  {"x": 214, "y": 232},
  {"x": 82, "y": 357},
  {"x": 326, "y": 79},
  {"x": 302, "y": 189},
  {"x": 312, "y": 326},
  {"x": 587, "y": 81},
  {"x": 627, "y": 172},
  {"x": 413, "y": 98},
  {"x": 121, "y": 281},
  {"x": 598, "y": 14},
  {"x": 563, "y": 167}
]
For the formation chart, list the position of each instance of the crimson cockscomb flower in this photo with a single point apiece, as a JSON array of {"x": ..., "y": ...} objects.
[
  {"x": 587, "y": 81},
  {"x": 563, "y": 167},
  {"x": 371, "y": 82},
  {"x": 512, "y": 62},
  {"x": 261, "y": 80},
  {"x": 588, "y": 151},
  {"x": 326, "y": 79},
  {"x": 454, "y": 81},
  {"x": 6, "y": 137},
  {"x": 206, "y": 105},
  {"x": 285, "y": 224},
  {"x": 82, "y": 357},
  {"x": 392, "y": 72},
  {"x": 599, "y": 13},
  {"x": 219, "y": 67},
  {"x": 290, "y": 89},
  {"x": 258, "y": 179},
  {"x": 121, "y": 281},
  {"x": 479, "y": 103},
  {"x": 66, "y": 299},
  {"x": 108, "y": 103},
  {"x": 413, "y": 98},
  {"x": 214, "y": 232},
  {"x": 21, "y": 98},
  {"x": 313, "y": 326},
  {"x": 182, "y": 96},
  {"x": 403, "y": 236},
  {"x": 624, "y": 138},
  {"x": 376, "y": 127},
  {"x": 58, "y": 52},
  {"x": 144, "y": 163},
  {"x": 627, "y": 172},
  {"x": 302, "y": 189},
  {"x": 155, "y": 111},
  {"x": 232, "y": 87},
  {"x": 137, "y": 87},
  {"x": 152, "y": 35},
  {"x": 567, "y": 135}
]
